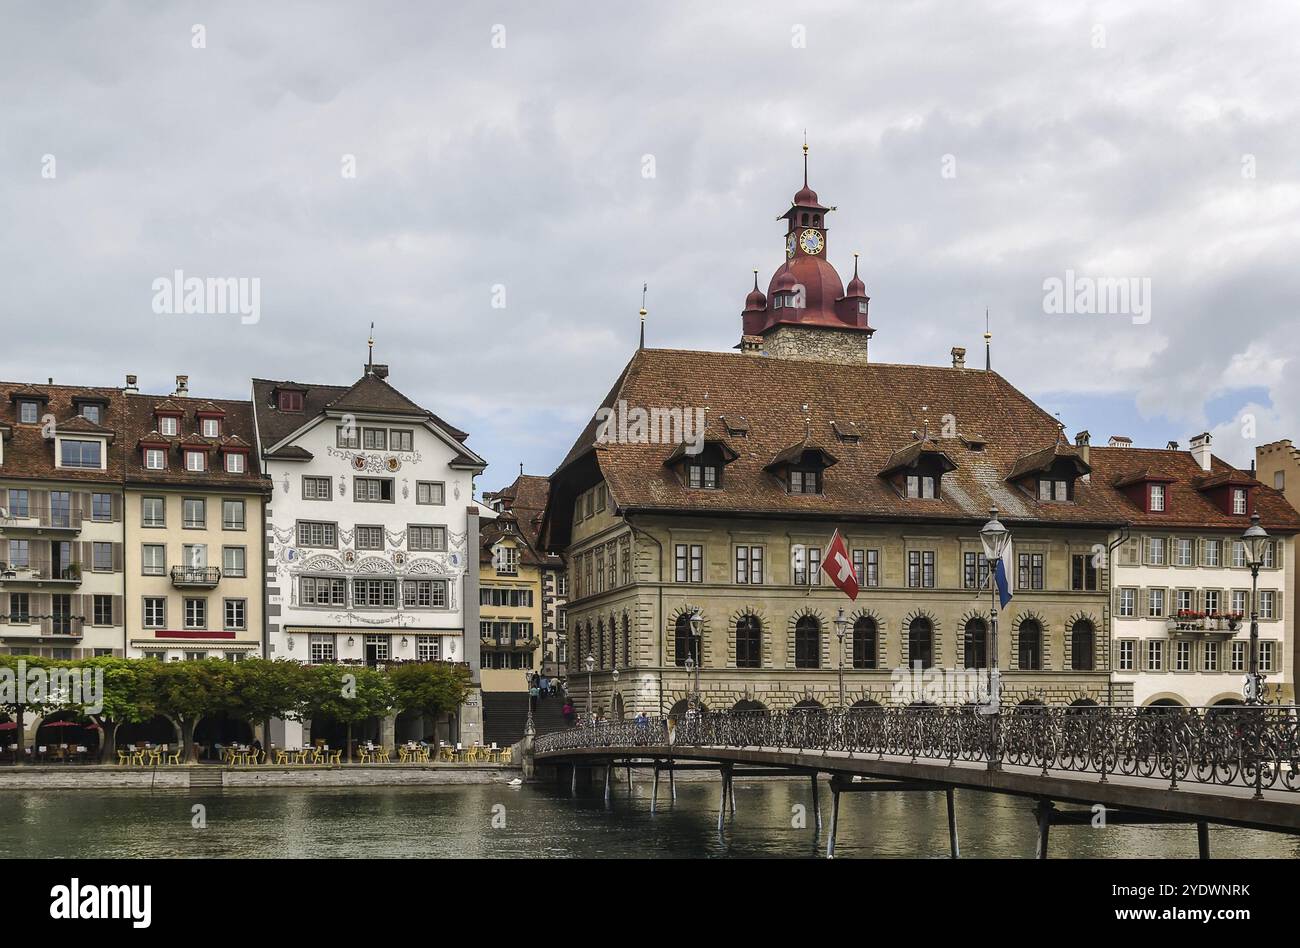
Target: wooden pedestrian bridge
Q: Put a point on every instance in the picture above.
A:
(1227, 765)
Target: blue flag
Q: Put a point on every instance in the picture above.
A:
(1002, 576)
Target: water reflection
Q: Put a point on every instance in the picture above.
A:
(774, 818)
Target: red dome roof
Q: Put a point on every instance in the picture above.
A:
(821, 286)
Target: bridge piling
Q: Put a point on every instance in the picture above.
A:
(817, 807)
(609, 770)
(835, 819)
(1044, 813)
(573, 780)
(953, 845)
(654, 789)
(1203, 840)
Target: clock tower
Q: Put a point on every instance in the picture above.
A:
(808, 313)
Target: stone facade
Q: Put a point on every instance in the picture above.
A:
(632, 626)
(837, 346)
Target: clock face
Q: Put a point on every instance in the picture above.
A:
(811, 241)
(789, 245)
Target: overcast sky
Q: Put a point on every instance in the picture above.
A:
(974, 150)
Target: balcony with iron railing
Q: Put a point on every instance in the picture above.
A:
(40, 572)
(525, 642)
(33, 519)
(195, 577)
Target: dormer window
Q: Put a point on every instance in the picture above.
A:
(1157, 498)
(1050, 489)
(168, 425)
(703, 476)
(862, 307)
(196, 461)
(212, 427)
(76, 453)
(155, 459)
(29, 412)
(289, 401)
(91, 413)
(804, 481)
(923, 486)
(1239, 500)
(235, 462)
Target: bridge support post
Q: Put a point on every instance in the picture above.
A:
(629, 776)
(817, 807)
(654, 789)
(722, 803)
(953, 845)
(609, 771)
(731, 790)
(1044, 813)
(573, 780)
(672, 783)
(835, 819)
(1203, 839)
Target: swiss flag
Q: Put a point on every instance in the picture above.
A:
(837, 565)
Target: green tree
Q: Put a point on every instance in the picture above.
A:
(188, 691)
(429, 688)
(348, 693)
(129, 697)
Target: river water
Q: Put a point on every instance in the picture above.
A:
(497, 821)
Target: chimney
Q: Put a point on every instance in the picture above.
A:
(131, 385)
(1120, 441)
(1083, 441)
(958, 357)
(1201, 450)
(182, 385)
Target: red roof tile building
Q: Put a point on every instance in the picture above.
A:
(710, 482)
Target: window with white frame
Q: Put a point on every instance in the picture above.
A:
(348, 436)
(322, 591)
(196, 461)
(211, 427)
(425, 537)
(369, 537)
(317, 488)
(318, 534)
(155, 459)
(232, 515)
(1211, 549)
(689, 563)
(195, 511)
(168, 425)
(400, 439)
(1267, 599)
(1211, 602)
(1126, 655)
(1127, 602)
(1183, 552)
(1239, 601)
(374, 593)
(430, 492)
(235, 462)
(374, 439)
(749, 565)
(1238, 554)
(1210, 656)
(196, 613)
(236, 618)
(29, 413)
(1182, 655)
(1266, 656)
(1156, 603)
(1238, 657)
(234, 562)
(320, 647)
(1156, 551)
(1155, 655)
(1268, 555)
(153, 511)
(1239, 500)
(426, 648)
(373, 490)
(155, 612)
(1157, 497)
(1185, 600)
(153, 559)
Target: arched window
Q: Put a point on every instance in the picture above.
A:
(920, 642)
(1081, 646)
(627, 641)
(600, 643)
(613, 642)
(749, 642)
(684, 644)
(1031, 645)
(808, 643)
(864, 643)
(977, 643)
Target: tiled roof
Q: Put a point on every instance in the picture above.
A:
(236, 423)
(527, 498)
(28, 455)
(1186, 503)
(370, 394)
(78, 424)
(890, 402)
(1044, 459)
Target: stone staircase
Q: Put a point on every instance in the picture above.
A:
(505, 713)
(206, 778)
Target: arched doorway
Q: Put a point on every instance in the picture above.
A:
(747, 704)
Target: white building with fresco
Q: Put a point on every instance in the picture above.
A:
(371, 533)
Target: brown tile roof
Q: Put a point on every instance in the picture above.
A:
(890, 401)
(1044, 459)
(1186, 503)
(369, 394)
(28, 455)
(236, 427)
(78, 424)
(526, 499)
(507, 523)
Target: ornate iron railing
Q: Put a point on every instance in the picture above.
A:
(1234, 745)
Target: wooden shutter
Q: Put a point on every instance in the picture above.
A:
(118, 602)
(118, 564)
(87, 503)
(85, 608)
(1277, 614)
(115, 506)
(4, 607)
(1142, 603)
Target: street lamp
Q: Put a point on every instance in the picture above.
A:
(841, 626)
(591, 663)
(1255, 540)
(994, 537)
(697, 652)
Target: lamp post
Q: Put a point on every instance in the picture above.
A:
(697, 652)
(591, 663)
(841, 626)
(1255, 540)
(994, 537)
